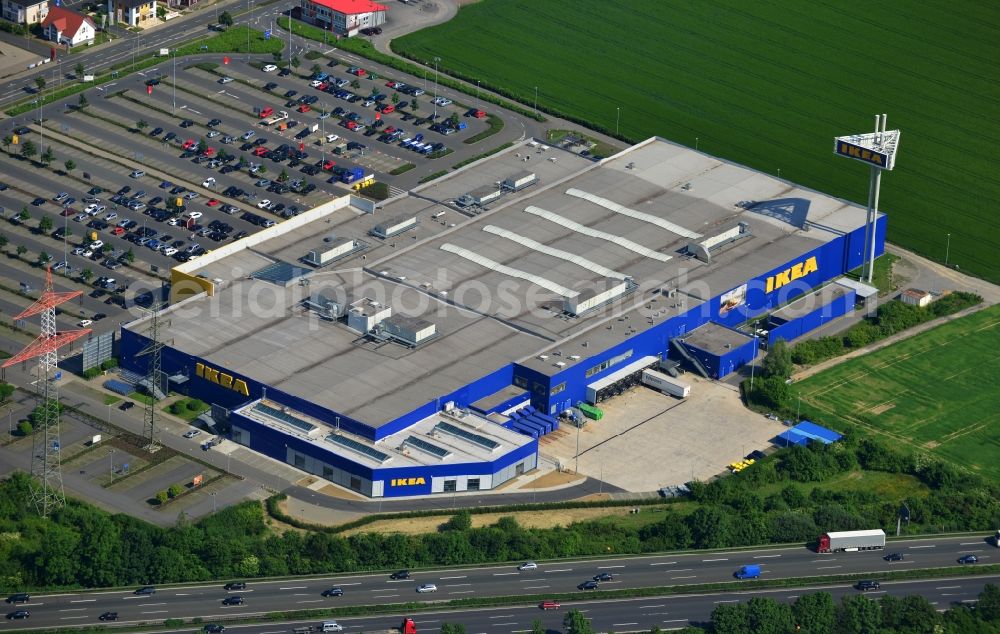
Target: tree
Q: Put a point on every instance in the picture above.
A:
(82, 101)
(276, 56)
(989, 603)
(43, 257)
(537, 627)
(242, 162)
(395, 98)
(355, 83)
(296, 62)
(814, 613)
(70, 165)
(28, 149)
(141, 125)
(3, 241)
(316, 69)
(48, 156)
(21, 250)
(414, 105)
(40, 82)
(24, 215)
(202, 145)
(283, 176)
(25, 428)
(857, 615)
(452, 628)
(162, 497)
(175, 490)
(226, 18)
(453, 119)
(129, 256)
(778, 361)
(576, 623)
(45, 224)
(86, 274)
(79, 70)
(7, 140)
(6, 391)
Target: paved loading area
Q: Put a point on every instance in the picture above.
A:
(647, 440)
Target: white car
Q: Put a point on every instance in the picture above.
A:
(96, 244)
(192, 433)
(79, 250)
(89, 208)
(269, 68)
(441, 101)
(111, 215)
(194, 214)
(225, 80)
(80, 217)
(213, 134)
(263, 204)
(83, 323)
(330, 138)
(137, 174)
(427, 587)
(314, 83)
(169, 251)
(208, 182)
(87, 253)
(173, 222)
(528, 565)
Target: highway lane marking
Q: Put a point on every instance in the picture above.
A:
(294, 588)
(970, 543)
(603, 567)
(688, 577)
(311, 601)
(84, 601)
(81, 609)
(892, 563)
(561, 570)
(456, 585)
(532, 580)
(708, 560)
(674, 620)
(815, 561)
(534, 587)
(663, 563)
(353, 583)
(65, 618)
(155, 612)
(766, 556)
(459, 577)
(728, 601)
(149, 605)
(928, 546)
(384, 596)
(792, 596)
(973, 551)
(462, 592)
(681, 570)
(650, 607)
(622, 624)
(828, 567)
(947, 587)
(502, 624)
(503, 616)
(300, 594)
(506, 574)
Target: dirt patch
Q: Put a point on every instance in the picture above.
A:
(881, 409)
(528, 519)
(552, 479)
(337, 492)
(931, 444)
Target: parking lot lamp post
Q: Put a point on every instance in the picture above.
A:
(754, 357)
(109, 413)
(213, 502)
(477, 94)
(436, 60)
(111, 454)
(175, 80)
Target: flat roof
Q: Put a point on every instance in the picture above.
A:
(715, 339)
(493, 284)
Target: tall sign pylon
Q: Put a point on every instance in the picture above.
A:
(154, 380)
(47, 487)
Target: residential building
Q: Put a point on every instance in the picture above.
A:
(343, 17)
(25, 12)
(133, 12)
(64, 26)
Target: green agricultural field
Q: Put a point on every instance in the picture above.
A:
(936, 392)
(769, 84)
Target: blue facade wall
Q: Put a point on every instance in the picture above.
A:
(791, 330)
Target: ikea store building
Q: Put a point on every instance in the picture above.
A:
(424, 344)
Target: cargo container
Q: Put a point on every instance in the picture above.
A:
(851, 541)
(748, 572)
(665, 384)
(590, 411)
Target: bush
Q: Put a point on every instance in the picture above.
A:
(25, 428)
(175, 490)
(6, 391)
(162, 497)
(769, 393)
(176, 408)
(174, 623)
(109, 364)
(91, 373)
(195, 405)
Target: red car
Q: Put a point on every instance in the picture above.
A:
(69, 211)
(212, 202)
(479, 114)
(329, 165)
(189, 144)
(549, 605)
(304, 108)
(387, 108)
(260, 151)
(389, 130)
(322, 86)
(209, 152)
(266, 112)
(118, 231)
(351, 125)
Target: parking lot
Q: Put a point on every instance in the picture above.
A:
(647, 440)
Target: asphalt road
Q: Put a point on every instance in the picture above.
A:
(205, 600)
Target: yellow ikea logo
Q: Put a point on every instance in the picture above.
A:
(406, 482)
(227, 381)
(862, 154)
(792, 273)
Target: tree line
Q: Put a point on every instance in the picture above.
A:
(773, 501)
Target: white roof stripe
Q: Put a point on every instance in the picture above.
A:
(506, 270)
(632, 213)
(556, 253)
(635, 247)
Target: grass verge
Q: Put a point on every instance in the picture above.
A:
(402, 169)
(495, 125)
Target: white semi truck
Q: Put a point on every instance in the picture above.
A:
(664, 383)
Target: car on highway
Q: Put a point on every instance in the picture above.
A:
(549, 605)
(528, 565)
(604, 576)
(235, 585)
(145, 590)
(336, 591)
(968, 559)
(426, 587)
(894, 557)
(400, 574)
(18, 614)
(867, 584)
(20, 597)
(588, 585)
(233, 600)
(214, 628)
(108, 616)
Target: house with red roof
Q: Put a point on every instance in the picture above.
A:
(343, 17)
(68, 27)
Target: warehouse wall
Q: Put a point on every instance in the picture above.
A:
(821, 315)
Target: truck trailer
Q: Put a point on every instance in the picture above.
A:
(666, 384)
(851, 541)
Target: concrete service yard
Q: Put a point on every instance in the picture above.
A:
(647, 440)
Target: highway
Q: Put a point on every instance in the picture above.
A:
(205, 600)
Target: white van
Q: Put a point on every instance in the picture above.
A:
(332, 626)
